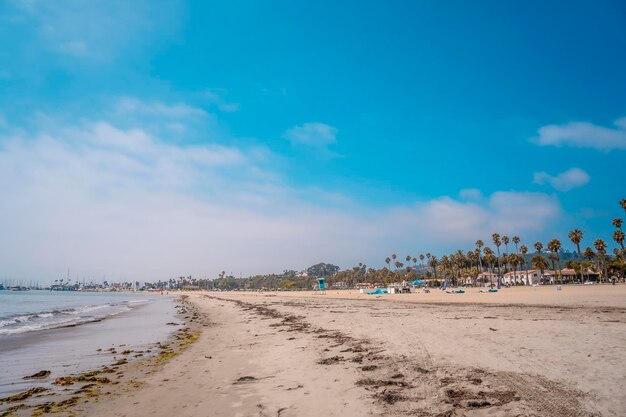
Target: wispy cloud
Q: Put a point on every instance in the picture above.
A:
(565, 181)
(584, 135)
(217, 97)
(157, 108)
(126, 202)
(315, 135)
(94, 30)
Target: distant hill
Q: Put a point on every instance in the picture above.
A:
(322, 270)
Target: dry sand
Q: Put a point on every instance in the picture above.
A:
(518, 352)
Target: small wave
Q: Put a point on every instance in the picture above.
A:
(60, 318)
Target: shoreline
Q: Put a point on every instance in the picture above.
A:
(64, 393)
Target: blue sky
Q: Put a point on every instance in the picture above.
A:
(151, 139)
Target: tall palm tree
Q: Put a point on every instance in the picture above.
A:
(618, 237)
(433, 262)
(459, 260)
(515, 260)
(524, 250)
(490, 259)
(445, 265)
(576, 236)
(414, 262)
(505, 240)
(516, 240)
(540, 263)
(422, 259)
(589, 255)
(479, 245)
(600, 246)
(555, 246)
(388, 262)
(617, 223)
(496, 241)
(538, 246)
(622, 203)
(472, 259)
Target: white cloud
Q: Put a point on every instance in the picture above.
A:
(157, 108)
(584, 135)
(125, 203)
(315, 135)
(471, 194)
(216, 96)
(565, 181)
(450, 223)
(95, 30)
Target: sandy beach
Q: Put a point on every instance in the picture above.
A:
(520, 352)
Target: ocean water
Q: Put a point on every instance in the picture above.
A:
(70, 332)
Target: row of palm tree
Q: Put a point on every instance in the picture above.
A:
(484, 259)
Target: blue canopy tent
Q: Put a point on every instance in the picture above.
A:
(379, 291)
(418, 282)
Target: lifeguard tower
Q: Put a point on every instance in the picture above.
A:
(321, 284)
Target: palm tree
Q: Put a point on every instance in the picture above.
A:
(422, 259)
(516, 240)
(497, 242)
(490, 259)
(554, 246)
(479, 245)
(388, 262)
(589, 255)
(458, 260)
(524, 250)
(617, 223)
(445, 265)
(576, 236)
(618, 237)
(414, 262)
(515, 259)
(540, 263)
(505, 240)
(622, 203)
(600, 246)
(538, 246)
(472, 259)
(433, 262)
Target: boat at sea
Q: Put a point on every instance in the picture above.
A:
(17, 288)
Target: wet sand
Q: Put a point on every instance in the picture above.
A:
(342, 354)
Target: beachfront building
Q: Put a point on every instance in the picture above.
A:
(486, 278)
(523, 277)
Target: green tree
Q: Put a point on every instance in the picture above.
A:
(600, 246)
(554, 246)
(524, 250)
(576, 236)
(540, 263)
(497, 241)
(618, 237)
